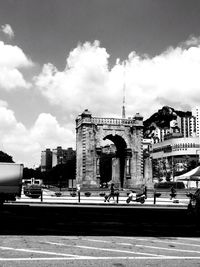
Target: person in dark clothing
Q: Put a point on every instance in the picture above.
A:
(197, 205)
(194, 204)
(173, 192)
(145, 191)
(112, 193)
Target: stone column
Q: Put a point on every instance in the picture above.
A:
(98, 155)
(148, 173)
(116, 171)
(127, 169)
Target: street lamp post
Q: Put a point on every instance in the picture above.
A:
(173, 168)
(60, 180)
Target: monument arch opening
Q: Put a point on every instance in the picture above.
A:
(108, 152)
(127, 161)
(117, 159)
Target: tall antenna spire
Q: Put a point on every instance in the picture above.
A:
(124, 89)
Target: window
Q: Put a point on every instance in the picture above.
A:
(98, 166)
(128, 167)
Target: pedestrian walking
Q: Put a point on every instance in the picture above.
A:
(111, 194)
(173, 193)
(78, 189)
(145, 191)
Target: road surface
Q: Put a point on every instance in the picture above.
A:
(98, 251)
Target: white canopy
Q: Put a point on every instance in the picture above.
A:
(193, 175)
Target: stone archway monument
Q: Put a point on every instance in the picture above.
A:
(127, 136)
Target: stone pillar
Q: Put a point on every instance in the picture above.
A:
(148, 173)
(86, 153)
(116, 171)
(98, 156)
(127, 169)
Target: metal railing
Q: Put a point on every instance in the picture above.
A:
(76, 197)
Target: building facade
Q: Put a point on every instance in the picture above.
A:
(176, 152)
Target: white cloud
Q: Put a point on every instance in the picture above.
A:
(7, 29)
(170, 78)
(12, 58)
(25, 145)
(48, 133)
(3, 103)
(193, 40)
(87, 82)
(83, 81)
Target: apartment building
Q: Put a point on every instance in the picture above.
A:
(196, 114)
(51, 158)
(187, 125)
(46, 160)
(61, 156)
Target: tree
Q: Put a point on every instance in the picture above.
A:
(5, 157)
(31, 173)
(155, 168)
(161, 169)
(61, 173)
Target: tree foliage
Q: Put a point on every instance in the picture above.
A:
(31, 173)
(162, 119)
(5, 157)
(61, 173)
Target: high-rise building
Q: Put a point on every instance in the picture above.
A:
(61, 156)
(196, 114)
(187, 125)
(50, 159)
(46, 160)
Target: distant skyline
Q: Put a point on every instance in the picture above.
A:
(59, 57)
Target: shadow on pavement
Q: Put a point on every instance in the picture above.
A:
(102, 221)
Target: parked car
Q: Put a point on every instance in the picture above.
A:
(33, 191)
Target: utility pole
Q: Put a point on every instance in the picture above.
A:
(124, 89)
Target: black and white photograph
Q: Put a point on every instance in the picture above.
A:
(99, 133)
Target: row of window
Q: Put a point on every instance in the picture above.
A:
(189, 145)
(165, 149)
(179, 149)
(181, 146)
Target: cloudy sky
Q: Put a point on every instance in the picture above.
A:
(58, 57)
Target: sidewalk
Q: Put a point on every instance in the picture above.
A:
(50, 197)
